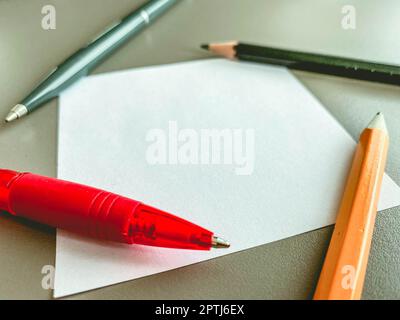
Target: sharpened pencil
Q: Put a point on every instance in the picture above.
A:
(304, 61)
(343, 272)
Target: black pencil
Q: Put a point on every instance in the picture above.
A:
(337, 66)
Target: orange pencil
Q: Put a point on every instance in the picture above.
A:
(343, 272)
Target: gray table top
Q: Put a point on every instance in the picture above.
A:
(285, 269)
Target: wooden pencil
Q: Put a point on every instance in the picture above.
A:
(325, 64)
(343, 272)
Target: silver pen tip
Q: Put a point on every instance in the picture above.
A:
(219, 243)
(11, 117)
(17, 112)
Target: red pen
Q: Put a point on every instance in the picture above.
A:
(99, 214)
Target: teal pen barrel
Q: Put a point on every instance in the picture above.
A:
(87, 58)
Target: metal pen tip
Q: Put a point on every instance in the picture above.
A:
(11, 117)
(219, 243)
(17, 112)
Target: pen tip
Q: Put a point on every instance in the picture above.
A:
(219, 243)
(17, 112)
(11, 117)
(205, 46)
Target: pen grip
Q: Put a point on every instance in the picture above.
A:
(67, 205)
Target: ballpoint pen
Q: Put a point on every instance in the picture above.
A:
(99, 214)
(87, 58)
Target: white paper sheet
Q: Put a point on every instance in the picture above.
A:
(301, 160)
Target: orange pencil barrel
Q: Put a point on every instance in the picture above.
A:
(343, 272)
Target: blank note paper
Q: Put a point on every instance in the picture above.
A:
(241, 149)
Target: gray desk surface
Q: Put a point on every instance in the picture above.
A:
(286, 269)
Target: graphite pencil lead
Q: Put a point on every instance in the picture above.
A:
(378, 122)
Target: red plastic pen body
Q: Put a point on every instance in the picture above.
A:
(96, 213)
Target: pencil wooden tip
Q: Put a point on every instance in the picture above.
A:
(378, 122)
(205, 46)
(225, 49)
